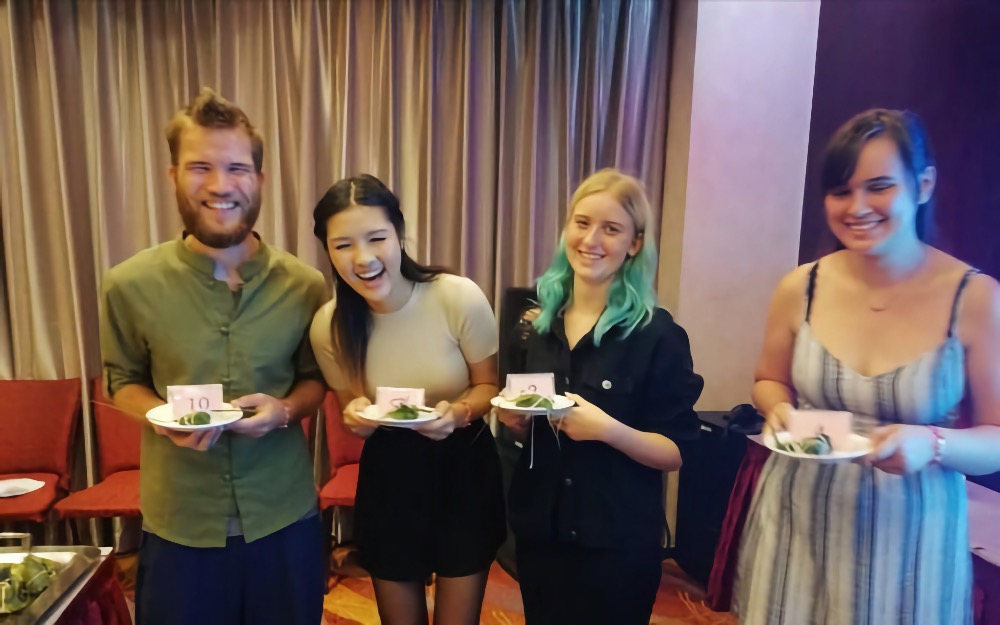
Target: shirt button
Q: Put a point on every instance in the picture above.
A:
(572, 535)
(606, 385)
(226, 477)
(224, 330)
(568, 481)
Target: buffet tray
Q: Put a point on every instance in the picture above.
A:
(73, 561)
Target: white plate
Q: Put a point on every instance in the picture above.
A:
(373, 413)
(559, 404)
(860, 446)
(19, 486)
(163, 416)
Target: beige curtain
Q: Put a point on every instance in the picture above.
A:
(6, 362)
(583, 86)
(481, 115)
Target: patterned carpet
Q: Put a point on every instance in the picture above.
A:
(351, 600)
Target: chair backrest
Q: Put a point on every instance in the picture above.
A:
(38, 421)
(343, 447)
(119, 436)
(516, 300)
(309, 431)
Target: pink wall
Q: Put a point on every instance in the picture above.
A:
(735, 179)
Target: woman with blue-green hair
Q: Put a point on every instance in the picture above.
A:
(586, 497)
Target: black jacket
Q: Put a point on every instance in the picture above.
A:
(588, 492)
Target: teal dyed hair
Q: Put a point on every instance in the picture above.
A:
(631, 298)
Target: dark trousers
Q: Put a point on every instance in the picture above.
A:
(276, 579)
(563, 584)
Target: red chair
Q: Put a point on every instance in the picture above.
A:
(345, 452)
(309, 430)
(37, 424)
(118, 442)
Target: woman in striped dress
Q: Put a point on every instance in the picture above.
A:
(898, 333)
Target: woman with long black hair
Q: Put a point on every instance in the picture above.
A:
(429, 498)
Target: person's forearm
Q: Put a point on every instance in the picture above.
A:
(478, 399)
(136, 400)
(972, 451)
(304, 400)
(647, 448)
(767, 394)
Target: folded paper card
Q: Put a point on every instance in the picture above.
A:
(803, 424)
(518, 384)
(190, 398)
(388, 398)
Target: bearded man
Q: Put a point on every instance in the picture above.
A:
(230, 529)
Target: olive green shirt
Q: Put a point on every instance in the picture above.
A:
(166, 320)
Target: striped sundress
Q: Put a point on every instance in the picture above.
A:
(846, 544)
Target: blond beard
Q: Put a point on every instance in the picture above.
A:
(195, 226)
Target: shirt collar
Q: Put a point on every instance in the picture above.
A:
(203, 264)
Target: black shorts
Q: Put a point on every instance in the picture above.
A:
(428, 506)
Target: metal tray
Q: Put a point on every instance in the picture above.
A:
(74, 561)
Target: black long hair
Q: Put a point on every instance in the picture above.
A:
(907, 131)
(351, 325)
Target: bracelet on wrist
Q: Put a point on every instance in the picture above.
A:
(939, 443)
(467, 418)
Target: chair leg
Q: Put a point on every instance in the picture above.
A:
(50, 531)
(130, 535)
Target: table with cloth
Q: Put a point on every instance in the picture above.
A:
(95, 599)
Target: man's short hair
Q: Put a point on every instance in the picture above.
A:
(210, 110)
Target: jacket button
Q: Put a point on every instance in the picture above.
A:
(568, 481)
(566, 379)
(572, 535)
(606, 384)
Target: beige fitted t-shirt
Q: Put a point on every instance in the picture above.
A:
(428, 343)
